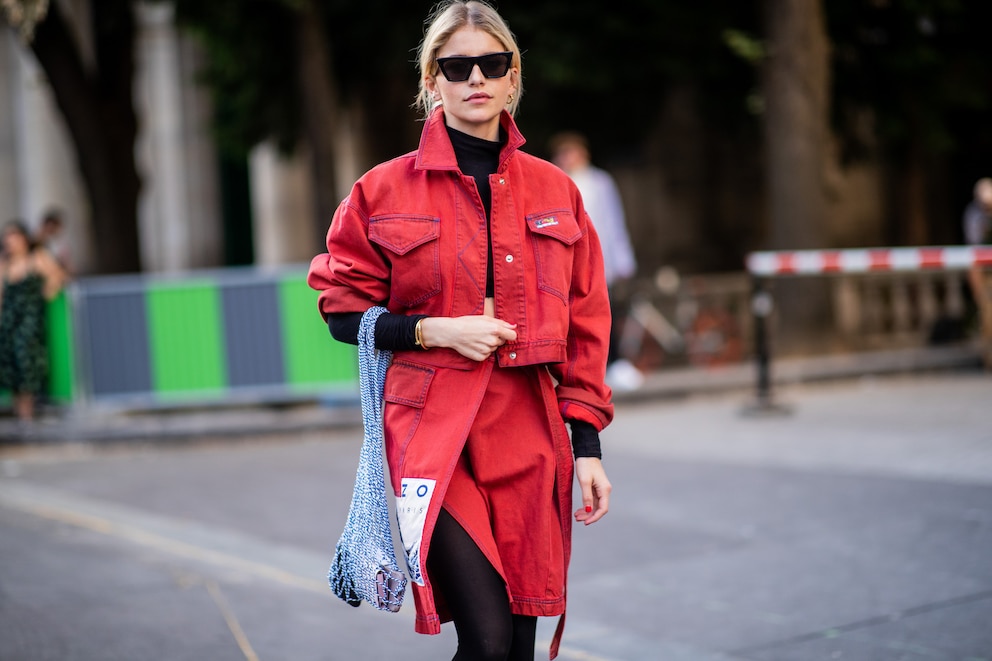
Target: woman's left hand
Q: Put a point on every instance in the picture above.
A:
(595, 487)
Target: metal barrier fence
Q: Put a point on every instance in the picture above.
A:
(221, 336)
(775, 264)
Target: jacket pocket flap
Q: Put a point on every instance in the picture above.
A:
(407, 384)
(557, 223)
(401, 234)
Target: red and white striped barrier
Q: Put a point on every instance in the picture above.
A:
(864, 260)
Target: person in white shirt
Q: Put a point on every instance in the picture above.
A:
(601, 198)
(977, 222)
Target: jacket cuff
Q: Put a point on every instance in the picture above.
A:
(572, 408)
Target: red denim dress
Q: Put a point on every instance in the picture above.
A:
(486, 440)
(498, 458)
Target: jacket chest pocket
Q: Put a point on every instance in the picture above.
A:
(553, 234)
(412, 246)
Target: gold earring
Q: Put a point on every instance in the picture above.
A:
(509, 100)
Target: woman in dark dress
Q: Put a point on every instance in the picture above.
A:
(30, 277)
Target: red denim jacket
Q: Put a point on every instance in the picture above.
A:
(411, 236)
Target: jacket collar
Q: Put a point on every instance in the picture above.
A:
(436, 153)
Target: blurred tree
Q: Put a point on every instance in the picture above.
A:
(796, 84)
(796, 115)
(608, 74)
(664, 103)
(288, 70)
(319, 102)
(367, 53)
(913, 80)
(915, 73)
(96, 102)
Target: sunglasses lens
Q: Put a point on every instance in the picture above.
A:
(495, 65)
(456, 69)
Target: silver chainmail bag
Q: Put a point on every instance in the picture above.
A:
(364, 565)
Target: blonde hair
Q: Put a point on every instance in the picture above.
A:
(448, 17)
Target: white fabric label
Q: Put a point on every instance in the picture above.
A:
(411, 514)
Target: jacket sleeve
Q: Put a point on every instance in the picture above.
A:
(582, 390)
(353, 274)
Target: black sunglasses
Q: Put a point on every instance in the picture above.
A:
(457, 69)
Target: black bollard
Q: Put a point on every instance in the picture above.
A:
(762, 305)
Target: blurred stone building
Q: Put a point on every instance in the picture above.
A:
(180, 215)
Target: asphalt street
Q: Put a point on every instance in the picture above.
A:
(857, 526)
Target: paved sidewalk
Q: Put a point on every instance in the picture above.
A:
(856, 527)
(110, 425)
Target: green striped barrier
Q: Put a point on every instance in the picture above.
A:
(239, 334)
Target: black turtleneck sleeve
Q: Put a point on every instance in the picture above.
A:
(393, 332)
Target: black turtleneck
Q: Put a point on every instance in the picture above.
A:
(479, 158)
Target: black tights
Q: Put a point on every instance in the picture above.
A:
(477, 598)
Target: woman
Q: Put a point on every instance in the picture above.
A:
(499, 322)
(30, 277)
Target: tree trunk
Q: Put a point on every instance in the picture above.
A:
(319, 115)
(796, 114)
(913, 189)
(796, 84)
(99, 112)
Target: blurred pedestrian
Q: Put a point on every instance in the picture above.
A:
(977, 223)
(498, 319)
(601, 198)
(51, 236)
(30, 277)
(977, 220)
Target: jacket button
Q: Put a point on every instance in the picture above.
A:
(502, 181)
(513, 355)
(509, 258)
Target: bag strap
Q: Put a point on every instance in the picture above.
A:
(372, 366)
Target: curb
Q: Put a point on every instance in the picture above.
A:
(191, 424)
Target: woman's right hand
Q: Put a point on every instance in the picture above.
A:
(53, 273)
(475, 336)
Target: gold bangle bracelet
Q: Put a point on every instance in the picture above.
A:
(418, 335)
